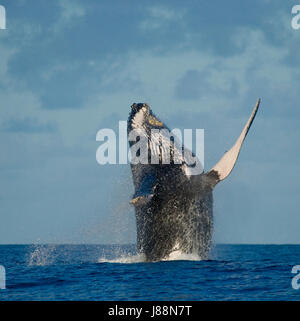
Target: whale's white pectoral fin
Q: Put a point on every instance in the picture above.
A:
(225, 165)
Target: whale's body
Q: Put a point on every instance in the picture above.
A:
(174, 209)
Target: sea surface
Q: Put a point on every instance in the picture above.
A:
(111, 272)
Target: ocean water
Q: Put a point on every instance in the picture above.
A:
(106, 272)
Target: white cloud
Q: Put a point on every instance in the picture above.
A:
(71, 9)
(160, 16)
(71, 12)
(158, 76)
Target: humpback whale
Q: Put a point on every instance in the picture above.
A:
(174, 209)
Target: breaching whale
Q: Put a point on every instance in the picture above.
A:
(174, 210)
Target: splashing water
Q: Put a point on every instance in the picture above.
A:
(140, 258)
(42, 255)
(45, 254)
(124, 259)
(180, 256)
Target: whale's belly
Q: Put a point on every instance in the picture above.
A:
(175, 225)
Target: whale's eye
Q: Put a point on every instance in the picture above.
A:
(154, 122)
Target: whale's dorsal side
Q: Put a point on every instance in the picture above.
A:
(225, 165)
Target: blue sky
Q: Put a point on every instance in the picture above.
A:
(70, 68)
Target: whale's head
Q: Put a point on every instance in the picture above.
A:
(142, 117)
(163, 146)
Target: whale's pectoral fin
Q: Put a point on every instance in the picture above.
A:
(145, 192)
(225, 165)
